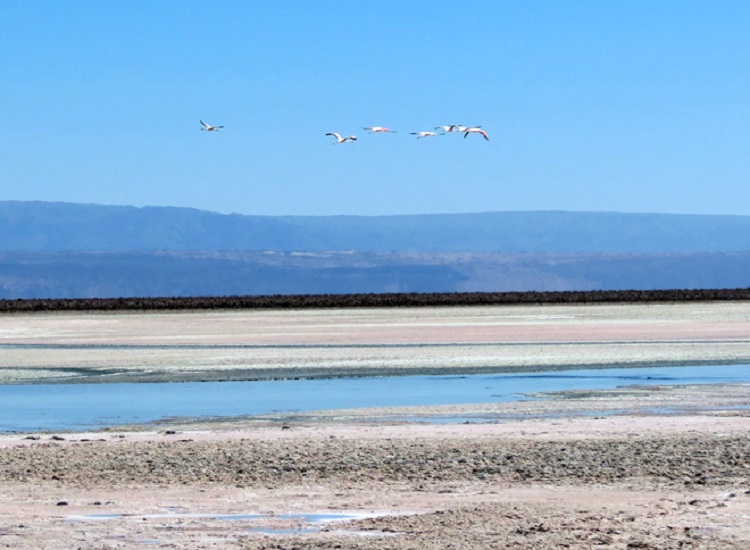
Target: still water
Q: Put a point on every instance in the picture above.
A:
(42, 407)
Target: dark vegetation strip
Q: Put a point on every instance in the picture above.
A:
(412, 299)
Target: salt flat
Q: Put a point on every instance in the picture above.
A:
(249, 344)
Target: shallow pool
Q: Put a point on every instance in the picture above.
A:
(50, 407)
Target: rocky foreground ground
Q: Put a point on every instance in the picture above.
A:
(576, 482)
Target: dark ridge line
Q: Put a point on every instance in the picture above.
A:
(385, 300)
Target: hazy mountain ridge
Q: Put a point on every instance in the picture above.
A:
(59, 250)
(50, 226)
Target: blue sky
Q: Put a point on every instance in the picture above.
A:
(629, 106)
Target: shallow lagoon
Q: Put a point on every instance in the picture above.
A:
(77, 407)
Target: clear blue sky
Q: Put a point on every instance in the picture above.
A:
(630, 106)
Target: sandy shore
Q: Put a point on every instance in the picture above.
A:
(658, 467)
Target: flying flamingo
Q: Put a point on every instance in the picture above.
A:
(475, 130)
(340, 139)
(425, 134)
(209, 128)
(375, 129)
(451, 128)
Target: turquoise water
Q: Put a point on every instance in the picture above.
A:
(77, 407)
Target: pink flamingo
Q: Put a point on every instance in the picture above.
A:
(425, 134)
(375, 129)
(475, 130)
(340, 139)
(209, 128)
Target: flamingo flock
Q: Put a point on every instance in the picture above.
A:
(441, 131)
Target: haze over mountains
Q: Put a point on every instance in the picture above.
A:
(61, 250)
(49, 226)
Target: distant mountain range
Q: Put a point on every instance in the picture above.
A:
(52, 226)
(60, 250)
